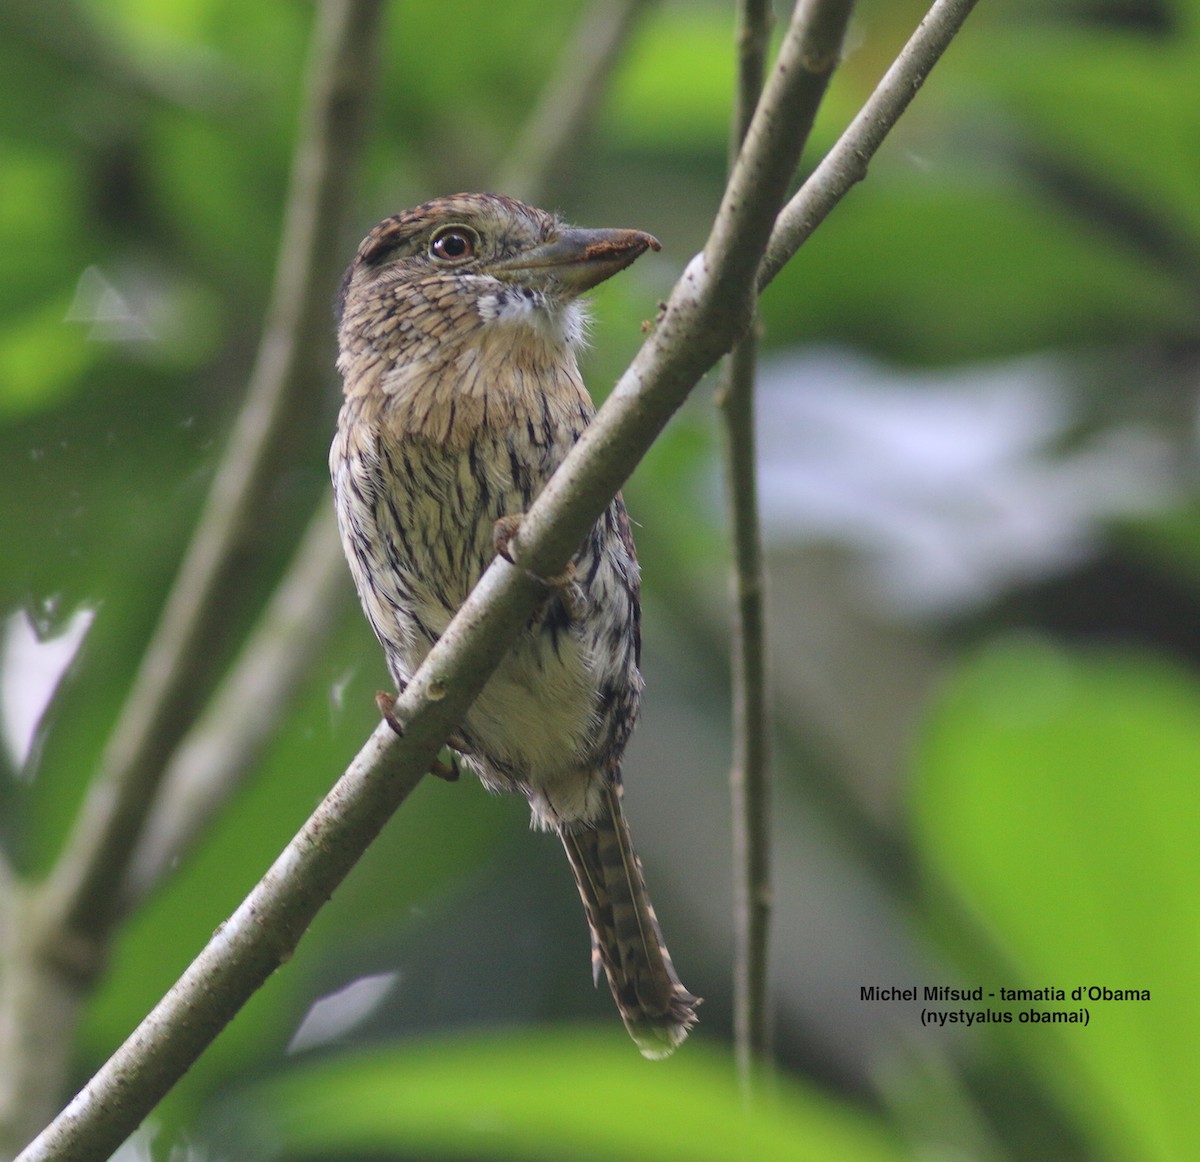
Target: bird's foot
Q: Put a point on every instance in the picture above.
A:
(562, 583)
(447, 771)
(387, 707)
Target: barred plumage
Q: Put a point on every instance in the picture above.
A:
(458, 328)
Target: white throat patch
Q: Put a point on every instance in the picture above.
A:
(556, 322)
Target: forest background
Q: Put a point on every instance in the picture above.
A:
(978, 440)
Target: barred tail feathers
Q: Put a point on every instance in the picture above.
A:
(627, 942)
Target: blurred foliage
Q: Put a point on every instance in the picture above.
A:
(1039, 196)
(1057, 793)
(574, 1094)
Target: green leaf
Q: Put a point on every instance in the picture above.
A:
(1058, 795)
(573, 1094)
(42, 357)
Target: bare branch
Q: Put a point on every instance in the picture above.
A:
(240, 957)
(39, 1010)
(753, 39)
(846, 163)
(287, 381)
(767, 161)
(553, 136)
(749, 775)
(710, 307)
(750, 772)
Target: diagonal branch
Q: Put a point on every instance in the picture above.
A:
(695, 329)
(846, 163)
(287, 381)
(771, 151)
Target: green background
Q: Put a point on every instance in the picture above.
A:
(1000, 790)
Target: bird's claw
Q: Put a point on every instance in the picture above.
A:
(503, 532)
(447, 771)
(387, 707)
(563, 583)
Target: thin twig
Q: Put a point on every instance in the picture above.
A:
(784, 119)
(749, 775)
(753, 38)
(287, 381)
(846, 163)
(553, 137)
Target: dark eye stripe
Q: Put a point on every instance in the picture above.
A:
(385, 249)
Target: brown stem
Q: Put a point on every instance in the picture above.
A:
(749, 775)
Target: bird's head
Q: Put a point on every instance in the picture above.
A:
(471, 259)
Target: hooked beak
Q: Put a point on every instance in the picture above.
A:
(577, 260)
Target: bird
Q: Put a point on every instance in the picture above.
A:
(459, 323)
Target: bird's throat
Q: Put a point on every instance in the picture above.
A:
(515, 309)
(506, 374)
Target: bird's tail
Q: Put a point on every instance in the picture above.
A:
(627, 942)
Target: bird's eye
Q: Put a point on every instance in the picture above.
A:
(454, 244)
